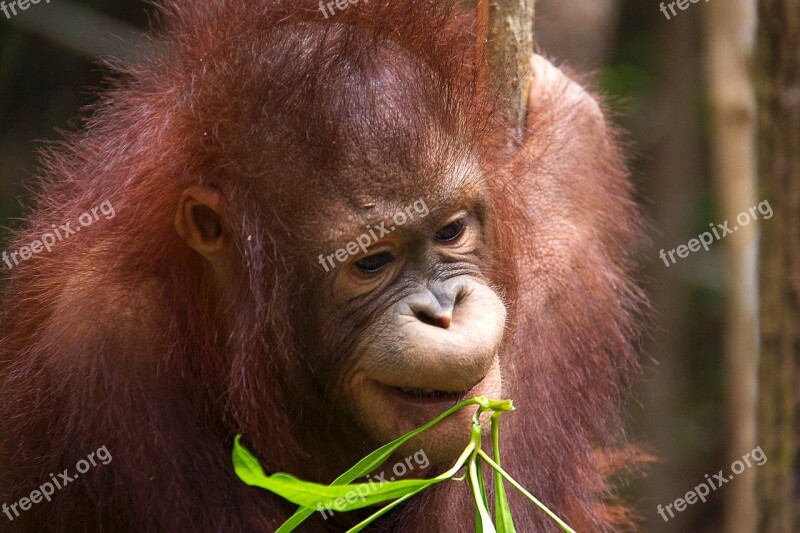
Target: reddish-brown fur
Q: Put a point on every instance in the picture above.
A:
(117, 337)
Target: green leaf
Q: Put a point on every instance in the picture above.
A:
(245, 465)
(530, 496)
(314, 496)
(481, 488)
(484, 523)
(481, 482)
(465, 455)
(505, 521)
(379, 456)
(478, 518)
(310, 494)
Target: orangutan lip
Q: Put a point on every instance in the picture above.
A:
(413, 398)
(428, 393)
(429, 396)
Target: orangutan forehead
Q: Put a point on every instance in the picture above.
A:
(456, 182)
(322, 103)
(379, 109)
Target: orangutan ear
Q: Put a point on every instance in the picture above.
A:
(199, 221)
(550, 84)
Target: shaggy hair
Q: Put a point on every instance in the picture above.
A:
(118, 338)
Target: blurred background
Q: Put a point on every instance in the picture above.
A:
(696, 409)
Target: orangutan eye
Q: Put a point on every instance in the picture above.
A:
(451, 232)
(375, 263)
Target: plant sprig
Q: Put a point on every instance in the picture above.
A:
(310, 496)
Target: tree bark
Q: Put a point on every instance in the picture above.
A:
(730, 48)
(779, 105)
(506, 29)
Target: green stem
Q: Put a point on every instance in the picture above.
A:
(483, 512)
(505, 520)
(357, 470)
(467, 454)
(520, 488)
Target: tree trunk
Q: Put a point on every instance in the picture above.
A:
(779, 103)
(730, 45)
(506, 28)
